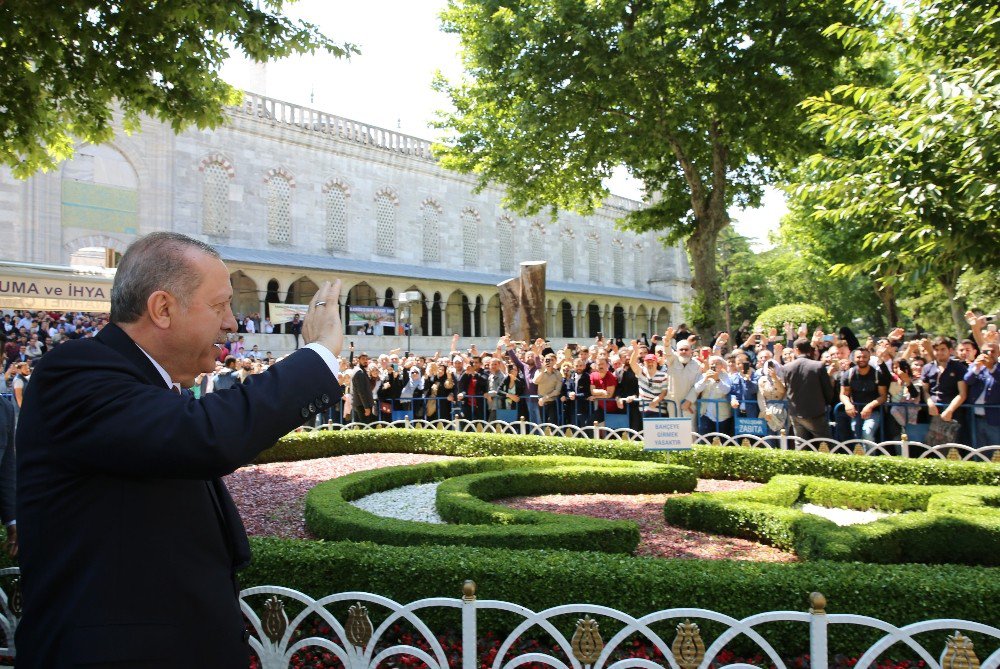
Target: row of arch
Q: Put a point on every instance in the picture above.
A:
(442, 313)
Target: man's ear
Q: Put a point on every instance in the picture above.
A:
(161, 306)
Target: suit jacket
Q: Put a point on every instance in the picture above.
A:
(808, 385)
(361, 390)
(7, 413)
(129, 540)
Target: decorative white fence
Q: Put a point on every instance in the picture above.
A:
(783, 441)
(348, 634)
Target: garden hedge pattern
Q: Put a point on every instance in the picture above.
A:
(468, 483)
(946, 524)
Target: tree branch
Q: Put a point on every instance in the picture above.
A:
(698, 200)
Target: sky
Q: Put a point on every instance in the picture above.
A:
(389, 83)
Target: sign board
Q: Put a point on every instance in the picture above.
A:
(756, 427)
(53, 289)
(666, 434)
(374, 316)
(283, 313)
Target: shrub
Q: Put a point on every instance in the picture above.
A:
(798, 313)
(329, 514)
(750, 464)
(955, 524)
(540, 579)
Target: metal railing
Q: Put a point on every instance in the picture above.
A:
(341, 624)
(965, 415)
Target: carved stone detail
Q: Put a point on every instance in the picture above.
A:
(522, 301)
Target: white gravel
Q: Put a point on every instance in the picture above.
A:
(418, 502)
(844, 517)
(409, 502)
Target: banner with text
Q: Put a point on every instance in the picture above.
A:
(283, 313)
(43, 293)
(374, 316)
(666, 434)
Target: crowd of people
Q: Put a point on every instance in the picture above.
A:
(935, 390)
(810, 384)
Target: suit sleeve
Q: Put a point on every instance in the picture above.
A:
(7, 463)
(95, 414)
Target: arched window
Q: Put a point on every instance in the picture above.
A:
(336, 217)
(279, 208)
(618, 262)
(215, 200)
(593, 258)
(470, 237)
(505, 240)
(385, 222)
(536, 242)
(568, 256)
(637, 264)
(430, 217)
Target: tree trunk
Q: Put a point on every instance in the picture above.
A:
(887, 296)
(702, 246)
(948, 282)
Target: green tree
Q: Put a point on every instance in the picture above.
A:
(746, 289)
(917, 161)
(697, 98)
(65, 67)
(798, 269)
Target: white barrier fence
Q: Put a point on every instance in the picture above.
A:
(783, 441)
(349, 635)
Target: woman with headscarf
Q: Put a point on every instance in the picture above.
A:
(413, 389)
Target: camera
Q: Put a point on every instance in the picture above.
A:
(991, 318)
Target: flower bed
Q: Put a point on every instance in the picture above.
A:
(657, 537)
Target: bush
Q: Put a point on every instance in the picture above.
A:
(329, 514)
(777, 316)
(750, 464)
(540, 579)
(955, 525)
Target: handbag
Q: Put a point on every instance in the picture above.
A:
(942, 431)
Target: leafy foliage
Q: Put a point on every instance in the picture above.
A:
(916, 161)
(696, 98)
(777, 316)
(67, 70)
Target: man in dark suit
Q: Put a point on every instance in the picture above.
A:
(810, 391)
(129, 540)
(362, 399)
(7, 473)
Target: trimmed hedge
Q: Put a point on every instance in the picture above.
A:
(750, 464)
(464, 499)
(541, 579)
(957, 525)
(329, 514)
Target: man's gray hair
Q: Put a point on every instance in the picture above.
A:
(155, 262)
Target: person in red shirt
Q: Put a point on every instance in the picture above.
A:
(602, 389)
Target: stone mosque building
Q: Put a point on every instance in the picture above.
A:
(291, 197)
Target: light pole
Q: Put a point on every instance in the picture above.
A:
(406, 299)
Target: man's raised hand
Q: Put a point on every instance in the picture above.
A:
(322, 322)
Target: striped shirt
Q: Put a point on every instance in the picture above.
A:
(650, 387)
